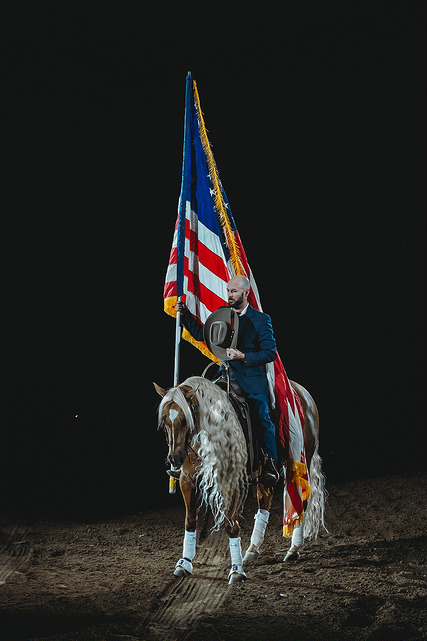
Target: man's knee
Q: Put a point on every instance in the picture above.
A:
(261, 405)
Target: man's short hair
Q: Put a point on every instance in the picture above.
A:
(245, 282)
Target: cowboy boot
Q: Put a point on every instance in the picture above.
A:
(269, 475)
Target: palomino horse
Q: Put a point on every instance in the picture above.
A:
(206, 441)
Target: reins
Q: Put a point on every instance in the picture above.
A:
(227, 376)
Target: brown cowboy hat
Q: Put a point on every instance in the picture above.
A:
(220, 331)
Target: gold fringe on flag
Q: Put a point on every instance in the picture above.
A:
(298, 474)
(218, 199)
(200, 345)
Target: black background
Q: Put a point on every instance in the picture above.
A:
(316, 118)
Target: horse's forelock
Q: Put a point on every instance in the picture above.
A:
(176, 395)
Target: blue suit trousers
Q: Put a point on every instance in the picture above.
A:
(259, 408)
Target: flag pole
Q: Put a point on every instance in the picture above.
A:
(184, 197)
(177, 344)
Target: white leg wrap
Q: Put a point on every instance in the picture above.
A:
(298, 536)
(236, 555)
(261, 521)
(189, 546)
(184, 567)
(296, 544)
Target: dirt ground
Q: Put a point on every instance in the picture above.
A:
(112, 580)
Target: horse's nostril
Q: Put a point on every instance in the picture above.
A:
(176, 460)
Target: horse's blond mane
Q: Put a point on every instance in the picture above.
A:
(221, 476)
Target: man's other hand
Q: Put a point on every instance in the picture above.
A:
(235, 354)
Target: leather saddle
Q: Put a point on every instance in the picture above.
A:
(241, 407)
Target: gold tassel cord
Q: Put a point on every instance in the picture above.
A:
(218, 199)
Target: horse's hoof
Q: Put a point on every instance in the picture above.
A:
(251, 554)
(292, 554)
(183, 568)
(236, 575)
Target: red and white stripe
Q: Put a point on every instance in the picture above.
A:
(206, 272)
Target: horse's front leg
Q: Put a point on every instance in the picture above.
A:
(184, 566)
(236, 574)
(265, 499)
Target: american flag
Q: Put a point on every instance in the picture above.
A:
(206, 252)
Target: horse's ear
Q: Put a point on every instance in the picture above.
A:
(159, 389)
(189, 392)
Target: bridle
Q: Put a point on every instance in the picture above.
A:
(187, 446)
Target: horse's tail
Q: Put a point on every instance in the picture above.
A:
(314, 517)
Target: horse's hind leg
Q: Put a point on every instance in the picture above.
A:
(313, 517)
(265, 498)
(297, 540)
(296, 543)
(184, 566)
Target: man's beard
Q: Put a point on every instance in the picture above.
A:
(236, 303)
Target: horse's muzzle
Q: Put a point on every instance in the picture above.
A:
(177, 458)
(178, 454)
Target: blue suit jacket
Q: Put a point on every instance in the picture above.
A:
(255, 339)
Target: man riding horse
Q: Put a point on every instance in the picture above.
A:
(246, 357)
